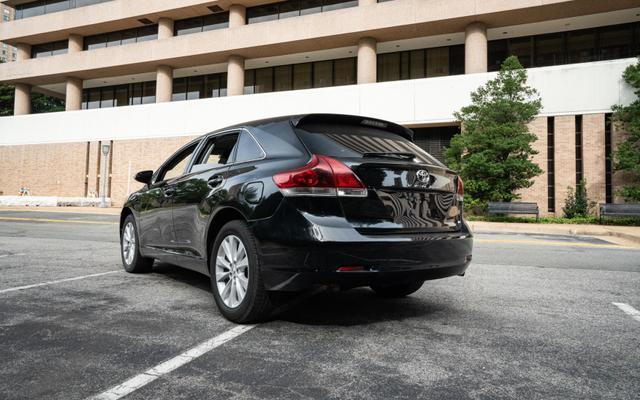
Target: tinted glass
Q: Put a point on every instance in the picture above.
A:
(136, 94)
(262, 13)
(417, 64)
(94, 98)
(149, 32)
(330, 5)
(616, 42)
(149, 93)
(345, 72)
(549, 50)
(218, 150)
(95, 42)
(212, 86)
(438, 62)
(310, 6)
(195, 88)
(283, 76)
(188, 26)
(177, 164)
(121, 96)
(322, 74)
(249, 81)
(302, 76)
(106, 99)
(215, 21)
(179, 89)
(248, 149)
(498, 52)
(264, 80)
(57, 5)
(581, 46)
(523, 49)
(289, 9)
(355, 141)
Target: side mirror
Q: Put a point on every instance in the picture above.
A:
(144, 177)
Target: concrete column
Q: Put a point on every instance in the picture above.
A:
(73, 99)
(475, 48)
(165, 28)
(366, 2)
(164, 84)
(235, 76)
(24, 51)
(367, 60)
(237, 15)
(22, 100)
(76, 43)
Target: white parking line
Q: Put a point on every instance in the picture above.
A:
(15, 289)
(156, 372)
(16, 254)
(627, 309)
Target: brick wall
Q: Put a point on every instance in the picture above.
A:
(538, 191)
(565, 158)
(46, 169)
(593, 156)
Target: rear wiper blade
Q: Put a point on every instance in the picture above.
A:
(390, 154)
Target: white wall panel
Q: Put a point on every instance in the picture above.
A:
(569, 89)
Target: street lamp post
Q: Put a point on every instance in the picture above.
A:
(103, 190)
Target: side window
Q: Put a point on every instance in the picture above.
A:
(218, 151)
(177, 164)
(248, 149)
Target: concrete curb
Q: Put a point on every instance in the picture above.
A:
(630, 233)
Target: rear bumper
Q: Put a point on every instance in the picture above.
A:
(296, 266)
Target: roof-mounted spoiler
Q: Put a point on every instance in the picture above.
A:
(342, 119)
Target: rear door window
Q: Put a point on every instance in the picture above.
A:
(217, 151)
(348, 141)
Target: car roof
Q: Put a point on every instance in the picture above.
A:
(342, 119)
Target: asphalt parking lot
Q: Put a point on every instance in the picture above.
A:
(534, 318)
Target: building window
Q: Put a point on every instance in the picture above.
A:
(49, 49)
(551, 181)
(118, 38)
(42, 7)
(595, 44)
(579, 163)
(435, 140)
(119, 95)
(294, 8)
(608, 158)
(301, 76)
(199, 87)
(425, 63)
(201, 24)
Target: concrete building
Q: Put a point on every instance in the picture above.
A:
(146, 76)
(7, 53)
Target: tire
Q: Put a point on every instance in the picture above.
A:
(132, 260)
(229, 277)
(397, 289)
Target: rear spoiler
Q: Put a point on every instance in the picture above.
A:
(342, 119)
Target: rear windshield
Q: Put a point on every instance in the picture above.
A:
(356, 141)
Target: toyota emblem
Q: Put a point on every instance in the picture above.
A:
(422, 176)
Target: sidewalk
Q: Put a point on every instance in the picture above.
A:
(629, 233)
(78, 210)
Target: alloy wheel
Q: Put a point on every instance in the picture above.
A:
(232, 271)
(129, 243)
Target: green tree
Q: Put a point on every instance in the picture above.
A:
(627, 154)
(577, 203)
(40, 103)
(493, 152)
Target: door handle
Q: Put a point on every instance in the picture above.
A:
(169, 192)
(215, 181)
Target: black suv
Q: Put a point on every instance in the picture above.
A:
(288, 203)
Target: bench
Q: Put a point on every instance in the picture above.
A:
(503, 208)
(619, 210)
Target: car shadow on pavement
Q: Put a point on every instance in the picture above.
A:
(359, 306)
(183, 275)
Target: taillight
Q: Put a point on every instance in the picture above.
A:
(322, 176)
(460, 190)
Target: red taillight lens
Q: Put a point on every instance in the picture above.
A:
(460, 190)
(322, 176)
